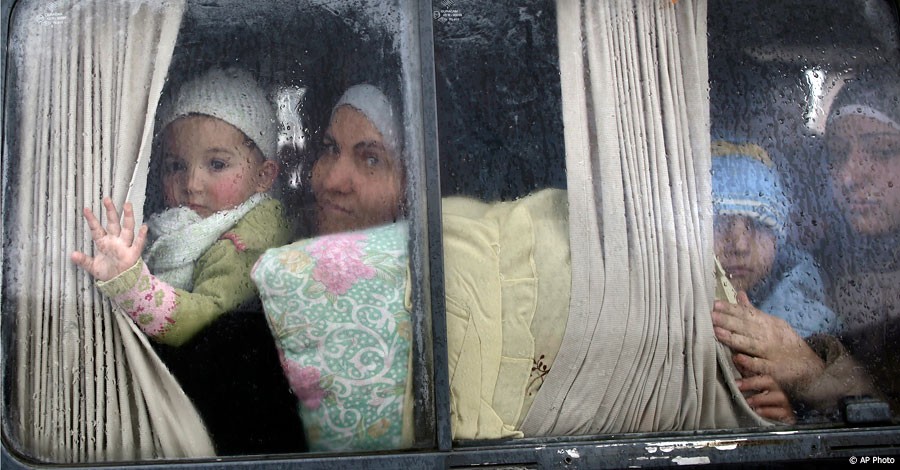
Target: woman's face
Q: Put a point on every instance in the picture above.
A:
(865, 173)
(745, 248)
(357, 180)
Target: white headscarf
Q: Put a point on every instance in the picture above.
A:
(370, 101)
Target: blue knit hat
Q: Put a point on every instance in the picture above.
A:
(745, 183)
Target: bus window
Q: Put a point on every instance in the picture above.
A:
(535, 234)
(765, 171)
(824, 289)
(267, 124)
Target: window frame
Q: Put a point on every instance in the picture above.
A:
(651, 449)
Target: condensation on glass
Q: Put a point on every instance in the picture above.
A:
(780, 80)
(304, 55)
(774, 74)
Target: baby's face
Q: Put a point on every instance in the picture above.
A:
(209, 166)
(745, 248)
(357, 180)
(865, 173)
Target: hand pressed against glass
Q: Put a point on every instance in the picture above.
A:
(767, 398)
(117, 247)
(211, 166)
(208, 167)
(357, 179)
(745, 248)
(865, 172)
(765, 344)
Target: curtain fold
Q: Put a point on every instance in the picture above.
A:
(88, 387)
(639, 352)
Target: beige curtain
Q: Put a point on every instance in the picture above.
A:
(87, 386)
(638, 352)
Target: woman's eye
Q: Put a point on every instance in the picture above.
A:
(326, 151)
(217, 165)
(372, 161)
(328, 148)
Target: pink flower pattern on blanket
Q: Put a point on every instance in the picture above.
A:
(336, 306)
(304, 381)
(339, 262)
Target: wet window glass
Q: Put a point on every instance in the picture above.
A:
(237, 282)
(503, 208)
(581, 270)
(804, 127)
(499, 102)
(354, 229)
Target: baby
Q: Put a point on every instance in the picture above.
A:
(218, 140)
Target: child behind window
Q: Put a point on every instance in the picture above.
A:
(751, 210)
(218, 138)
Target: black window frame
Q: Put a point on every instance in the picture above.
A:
(781, 447)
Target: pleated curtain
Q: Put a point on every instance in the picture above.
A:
(87, 387)
(638, 352)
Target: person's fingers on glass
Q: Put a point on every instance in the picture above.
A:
(791, 370)
(742, 327)
(764, 344)
(112, 217)
(751, 365)
(767, 398)
(127, 223)
(117, 248)
(747, 329)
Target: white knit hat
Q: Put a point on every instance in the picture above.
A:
(232, 95)
(370, 101)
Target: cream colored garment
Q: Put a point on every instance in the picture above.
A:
(639, 352)
(87, 387)
(506, 273)
(507, 284)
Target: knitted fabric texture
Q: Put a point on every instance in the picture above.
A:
(233, 96)
(180, 236)
(370, 101)
(745, 183)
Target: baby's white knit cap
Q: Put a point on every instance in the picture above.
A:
(370, 101)
(232, 95)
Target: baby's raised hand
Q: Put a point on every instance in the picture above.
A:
(117, 249)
